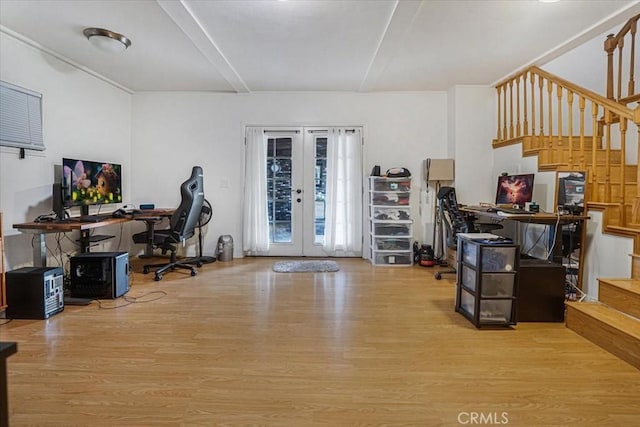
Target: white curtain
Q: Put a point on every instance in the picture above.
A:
(343, 220)
(256, 218)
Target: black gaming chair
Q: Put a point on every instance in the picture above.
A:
(454, 222)
(181, 226)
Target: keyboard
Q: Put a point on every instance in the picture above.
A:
(513, 211)
(94, 218)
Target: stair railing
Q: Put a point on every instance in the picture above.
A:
(626, 36)
(573, 126)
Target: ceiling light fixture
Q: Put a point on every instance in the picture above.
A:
(106, 40)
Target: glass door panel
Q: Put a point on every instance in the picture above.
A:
(320, 183)
(284, 157)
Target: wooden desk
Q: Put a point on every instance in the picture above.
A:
(41, 229)
(543, 218)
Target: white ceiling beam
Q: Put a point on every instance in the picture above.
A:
(180, 13)
(399, 25)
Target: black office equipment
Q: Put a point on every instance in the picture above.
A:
(453, 221)
(34, 292)
(182, 226)
(99, 275)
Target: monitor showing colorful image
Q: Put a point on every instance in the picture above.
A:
(87, 182)
(514, 189)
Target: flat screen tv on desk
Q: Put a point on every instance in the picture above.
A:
(86, 183)
(514, 189)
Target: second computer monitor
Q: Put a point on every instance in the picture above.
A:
(514, 189)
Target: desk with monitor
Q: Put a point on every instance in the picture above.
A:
(550, 219)
(41, 229)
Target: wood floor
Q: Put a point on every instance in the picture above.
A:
(239, 344)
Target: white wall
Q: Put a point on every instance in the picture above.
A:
(83, 117)
(605, 256)
(174, 131)
(474, 126)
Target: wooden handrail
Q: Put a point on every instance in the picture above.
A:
(614, 106)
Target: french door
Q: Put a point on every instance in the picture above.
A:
(296, 189)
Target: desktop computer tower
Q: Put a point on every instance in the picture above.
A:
(34, 292)
(99, 275)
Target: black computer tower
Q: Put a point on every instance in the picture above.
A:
(99, 275)
(34, 292)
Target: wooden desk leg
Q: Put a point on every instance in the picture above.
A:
(40, 250)
(148, 251)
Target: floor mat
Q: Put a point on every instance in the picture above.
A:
(305, 266)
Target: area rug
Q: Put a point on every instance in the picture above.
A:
(305, 266)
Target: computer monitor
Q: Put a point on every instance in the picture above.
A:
(86, 182)
(571, 192)
(514, 189)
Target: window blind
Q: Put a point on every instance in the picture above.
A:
(20, 117)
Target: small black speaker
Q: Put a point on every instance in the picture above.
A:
(56, 203)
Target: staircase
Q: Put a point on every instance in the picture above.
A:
(570, 128)
(613, 322)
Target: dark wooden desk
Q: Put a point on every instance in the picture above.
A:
(6, 350)
(543, 218)
(41, 229)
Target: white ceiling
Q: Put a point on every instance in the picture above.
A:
(308, 45)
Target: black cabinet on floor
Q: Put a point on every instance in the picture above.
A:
(540, 291)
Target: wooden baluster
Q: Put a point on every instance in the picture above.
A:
(570, 106)
(532, 78)
(623, 150)
(541, 103)
(620, 46)
(583, 160)
(518, 128)
(560, 128)
(550, 124)
(525, 123)
(607, 156)
(594, 164)
(504, 106)
(498, 133)
(632, 61)
(511, 109)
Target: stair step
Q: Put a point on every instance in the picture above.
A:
(551, 167)
(621, 294)
(610, 329)
(635, 266)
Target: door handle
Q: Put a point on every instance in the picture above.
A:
(298, 191)
(298, 200)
